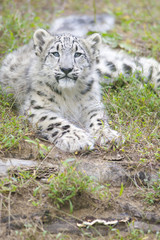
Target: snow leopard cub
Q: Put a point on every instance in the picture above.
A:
(56, 85)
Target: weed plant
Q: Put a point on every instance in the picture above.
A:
(72, 183)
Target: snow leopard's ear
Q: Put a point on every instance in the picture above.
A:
(40, 38)
(94, 40)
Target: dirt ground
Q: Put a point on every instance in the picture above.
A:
(113, 167)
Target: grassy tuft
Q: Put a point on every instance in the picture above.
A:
(152, 195)
(71, 183)
(12, 127)
(135, 109)
(17, 25)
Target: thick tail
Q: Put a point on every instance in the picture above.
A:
(82, 24)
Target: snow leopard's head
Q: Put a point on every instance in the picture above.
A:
(65, 59)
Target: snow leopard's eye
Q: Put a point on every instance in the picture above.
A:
(55, 54)
(77, 54)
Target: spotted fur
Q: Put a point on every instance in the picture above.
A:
(56, 85)
(113, 63)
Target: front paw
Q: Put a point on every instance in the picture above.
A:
(108, 136)
(74, 141)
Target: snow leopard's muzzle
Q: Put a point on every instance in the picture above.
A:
(66, 74)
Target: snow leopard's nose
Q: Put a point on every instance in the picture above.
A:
(66, 70)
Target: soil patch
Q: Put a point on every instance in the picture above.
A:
(112, 167)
